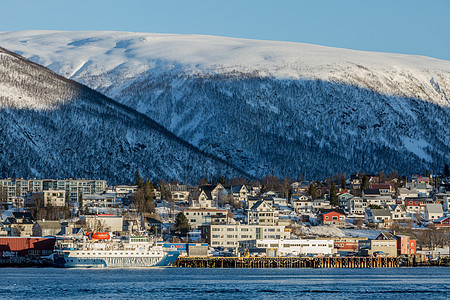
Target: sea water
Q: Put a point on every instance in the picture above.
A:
(177, 283)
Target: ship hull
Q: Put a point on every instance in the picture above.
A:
(67, 261)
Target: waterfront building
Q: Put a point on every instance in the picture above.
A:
(406, 243)
(373, 247)
(283, 247)
(347, 244)
(229, 236)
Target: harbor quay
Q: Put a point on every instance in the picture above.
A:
(308, 262)
(287, 262)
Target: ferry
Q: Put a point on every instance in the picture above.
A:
(123, 252)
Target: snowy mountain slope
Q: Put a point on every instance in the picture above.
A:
(54, 127)
(268, 107)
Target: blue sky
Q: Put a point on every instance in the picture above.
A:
(399, 26)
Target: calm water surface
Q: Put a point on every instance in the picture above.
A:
(172, 283)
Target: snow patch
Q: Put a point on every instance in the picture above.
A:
(417, 146)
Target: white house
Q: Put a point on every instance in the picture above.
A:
(356, 205)
(398, 212)
(262, 213)
(380, 217)
(197, 217)
(433, 211)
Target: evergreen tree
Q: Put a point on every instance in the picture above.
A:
(334, 200)
(138, 180)
(143, 198)
(446, 171)
(182, 223)
(312, 190)
(343, 183)
(364, 183)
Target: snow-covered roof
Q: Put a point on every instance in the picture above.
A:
(434, 208)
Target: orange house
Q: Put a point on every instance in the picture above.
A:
(333, 217)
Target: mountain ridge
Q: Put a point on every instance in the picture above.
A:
(266, 107)
(38, 128)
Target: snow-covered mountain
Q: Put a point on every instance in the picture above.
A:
(53, 127)
(267, 107)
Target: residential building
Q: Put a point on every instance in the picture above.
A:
(217, 193)
(356, 205)
(413, 204)
(442, 199)
(199, 199)
(123, 190)
(433, 212)
(373, 199)
(262, 213)
(443, 222)
(199, 217)
(332, 217)
(46, 228)
(384, 189)
(74, 187)
(239, 192)
(48, 198)
(379, 217)
(19, 224)
(398, 212)
(343, 199)
(404, 193)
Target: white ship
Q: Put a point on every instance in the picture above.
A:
(126, 252)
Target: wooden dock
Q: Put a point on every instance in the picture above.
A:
(287, 262)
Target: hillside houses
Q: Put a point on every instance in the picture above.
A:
(237, 216)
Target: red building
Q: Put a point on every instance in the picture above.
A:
(405, 245)
(23, 246)
(443, 222)
(412, 204)
(333, 217)
(348, 244)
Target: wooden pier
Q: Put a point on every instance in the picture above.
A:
(287, 262)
